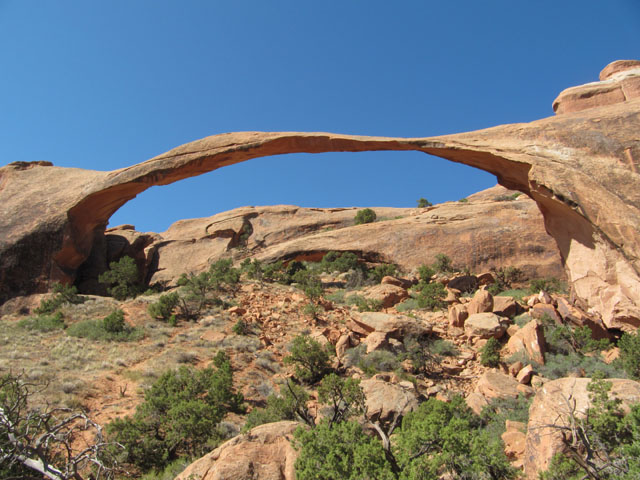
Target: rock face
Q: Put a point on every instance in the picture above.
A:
(264, 453)
(551, 406)
(385, 400)
(580, 168)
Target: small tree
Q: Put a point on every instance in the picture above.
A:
(344, 397)
(114, 322)
(365, 215)
(123, 279)
(423, 203)
(629, 345)
(62, 294)
(443, 263)
(311, 360)
(290, 404)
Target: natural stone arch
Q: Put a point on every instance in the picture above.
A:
(580, 168)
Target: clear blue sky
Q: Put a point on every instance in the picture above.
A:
(106, 84)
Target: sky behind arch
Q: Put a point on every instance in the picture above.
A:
(103, 85)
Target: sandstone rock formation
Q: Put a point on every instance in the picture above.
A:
(552, 405)
(580, 168)
(264, 453)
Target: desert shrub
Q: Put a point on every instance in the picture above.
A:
(443, 263)
(423, 202)
(378, 361)
(122, 278)
(441, 437)
(111, 328)
(499, 410)
(336, 297)
(195, 294)
(222, 275)
(62, 294)
(463, 200)
(490, 353)
(313, 310)
(629, 346)
(507, 198)
(289, 404)
(377, 273)
(425, 272)
(431, 295)
(426, 353)
(309, 282)
(354, 279)
(180, 415)
(340, 451)
(364, 304)
(241, 327)
(504, 277)
(165, 306)
(560, 365)
(564, 339)
(253, 269)
(310, 359)
(549, 285)
(340, 262)
(114, 322)
(407, 305)
(517, 294)
(365, 215)
(43, 323)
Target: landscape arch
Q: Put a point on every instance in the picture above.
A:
(580, 168)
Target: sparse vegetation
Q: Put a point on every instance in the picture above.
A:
(443, 263)
(504, 277)
(549, 285)
(111, 328)
(423, 203)
(365, 215)
(43, 323)
(62, 294)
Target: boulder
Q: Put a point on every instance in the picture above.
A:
(376, 341)
(541, 310)
(385, 400)
(577, 318)
(264, 453)
(397, 281)
(464, 283)
(514, 439)
(552, 405)
(506, 306)
(485, 325)
(457, 315)
(476, 402)
(481, 302)
(492, 384)
(395, 326)
(528, 339)
(524, 375)
(388, 295)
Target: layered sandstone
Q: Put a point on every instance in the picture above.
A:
(580, 168)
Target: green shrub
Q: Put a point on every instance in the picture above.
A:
(431, 295)
(504, 278)
(378, 361)
(253, 269)
(443, 348)
(62, 294)
(560, 365)
(111, 328)
(499, 410)
(340, 262)
(425, 272)
(629, 346)
(443, 263)
(311, 360)
(377, 273)
(114, 322)
(290, 404)
(122, 278)
(43, 323)
(340, 451)
(423, 203)
(180, 416)
(408, 305)
(241, 327)
(490, 353)
(364, 304)
(222, 275)
(309, 282)
(165, 306)
(365, 216)
(446, 437)
(463, 200)
(549, 285)
(426, 353)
